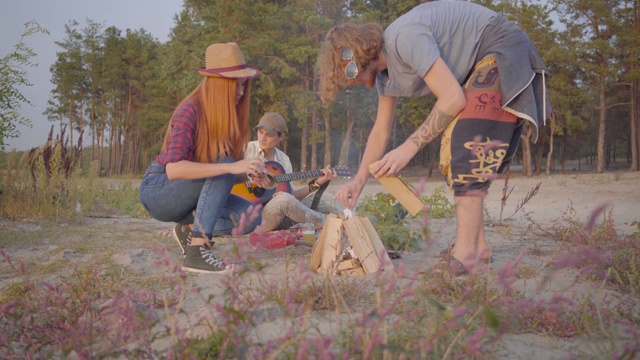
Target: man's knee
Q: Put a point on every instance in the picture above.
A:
(282, 200)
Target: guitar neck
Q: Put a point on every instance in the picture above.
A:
(297, 175)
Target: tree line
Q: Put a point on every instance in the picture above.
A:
(122, 86)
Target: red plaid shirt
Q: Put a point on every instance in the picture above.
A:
(181, 144)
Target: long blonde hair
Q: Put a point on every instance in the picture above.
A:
(366, 42)
(222, 127)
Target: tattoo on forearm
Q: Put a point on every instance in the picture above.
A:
(433, 125)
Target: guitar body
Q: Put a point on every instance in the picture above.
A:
(257, 195)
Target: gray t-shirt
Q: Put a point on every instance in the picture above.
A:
(451, 30)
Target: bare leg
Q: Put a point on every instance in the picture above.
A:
(470, 239)
(198, 241)
(484, 251)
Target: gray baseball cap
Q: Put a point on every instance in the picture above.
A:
(273, 123)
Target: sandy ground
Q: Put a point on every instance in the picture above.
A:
(579, 192)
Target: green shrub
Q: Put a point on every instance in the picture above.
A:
(439, 205)
(388, 218)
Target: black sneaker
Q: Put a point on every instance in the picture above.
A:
(182, 234)
(201, 260)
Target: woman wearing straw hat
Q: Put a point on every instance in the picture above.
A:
(190, 181)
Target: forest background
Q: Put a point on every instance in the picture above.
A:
(119, 89)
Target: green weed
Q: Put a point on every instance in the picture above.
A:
(49, 183)
(121, 198)
(636, 234)
(389, 219)
(439, 205)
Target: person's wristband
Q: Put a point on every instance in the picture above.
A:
(313, 185)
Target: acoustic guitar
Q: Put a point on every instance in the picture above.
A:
(278, 181)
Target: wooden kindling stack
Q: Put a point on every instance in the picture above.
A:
(328, 254)
(370, 254)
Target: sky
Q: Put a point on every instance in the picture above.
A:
(155, 16)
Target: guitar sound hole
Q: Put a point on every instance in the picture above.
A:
(258, 191)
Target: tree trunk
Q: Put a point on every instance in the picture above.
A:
(527, 169)
(327, 139)
(303, 145)
(552, 124)
(101, 150)
(563, 152)
(70, 123)
(314, 144)
(343, 158)
(539, 156)
(635, 134)
(119, 151)
(601, 122)
(101, 126)
(135, 152)
(80, 126)
(635, 101)
(92, 126)
(112, 135)
(129, 129)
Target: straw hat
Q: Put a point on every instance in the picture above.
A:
(226, 60)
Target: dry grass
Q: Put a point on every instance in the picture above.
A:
(112, 287)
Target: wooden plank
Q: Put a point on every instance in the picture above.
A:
(331, 247)
(378, 246)
(355, 271)
(316, 252)
(348, 264)
(359, 239)
(401, 191)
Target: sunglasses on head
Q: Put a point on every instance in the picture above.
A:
(351, 70)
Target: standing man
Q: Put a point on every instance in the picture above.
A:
(487, 77)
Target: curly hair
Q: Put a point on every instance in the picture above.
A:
(366, 42)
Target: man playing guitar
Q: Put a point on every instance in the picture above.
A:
(285, 209)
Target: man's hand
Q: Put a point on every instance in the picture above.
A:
(327, 175)
(255, 169)
(394, 161)
(261, 180)
(349, 193)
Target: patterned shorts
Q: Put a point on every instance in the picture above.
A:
(483, 138)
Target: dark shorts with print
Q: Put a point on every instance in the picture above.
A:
(483, 138)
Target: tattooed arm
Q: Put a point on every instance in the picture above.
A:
(450, 102)
(435, 123)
